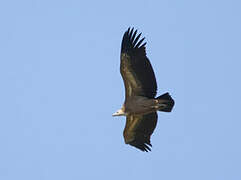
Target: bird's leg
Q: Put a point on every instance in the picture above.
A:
(158, 105)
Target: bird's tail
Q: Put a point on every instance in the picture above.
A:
(165, 102)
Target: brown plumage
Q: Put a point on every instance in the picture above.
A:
(140, 104)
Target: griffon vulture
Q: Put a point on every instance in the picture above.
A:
(140, 104)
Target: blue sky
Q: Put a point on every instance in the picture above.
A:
(60, 84)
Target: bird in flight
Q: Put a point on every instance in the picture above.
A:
(140, 106)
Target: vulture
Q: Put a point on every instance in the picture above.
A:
(140, 106)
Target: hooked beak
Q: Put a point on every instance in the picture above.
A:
(115, 114)
(119, 113)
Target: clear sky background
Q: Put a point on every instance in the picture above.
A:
(60, 84)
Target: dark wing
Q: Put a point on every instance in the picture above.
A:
(135, 68)
(138, 130)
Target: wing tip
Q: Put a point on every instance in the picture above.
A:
(143, 146)
(130, 40)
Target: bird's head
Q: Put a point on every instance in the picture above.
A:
(120, 112)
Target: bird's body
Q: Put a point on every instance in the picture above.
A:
(140, 104)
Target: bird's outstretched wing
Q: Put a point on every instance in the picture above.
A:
(138, 130)
(135, 68)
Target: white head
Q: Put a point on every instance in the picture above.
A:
(120, 112)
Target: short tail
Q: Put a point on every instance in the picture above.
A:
(166, 102)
